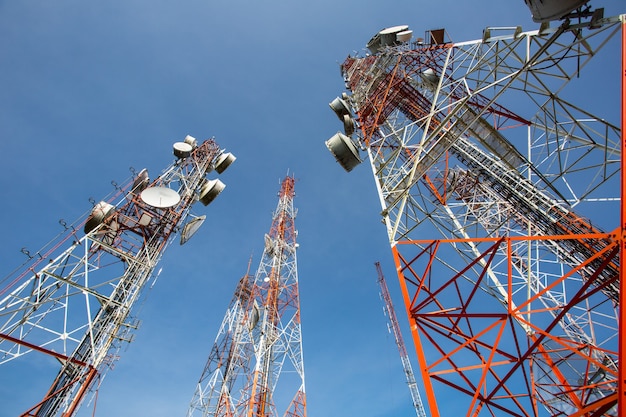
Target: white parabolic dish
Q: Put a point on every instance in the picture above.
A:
(160, 197)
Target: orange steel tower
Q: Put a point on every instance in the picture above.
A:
(74, 299)
(488, 174)
(255, 368)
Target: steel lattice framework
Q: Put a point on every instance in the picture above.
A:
(74, 299)
(255, 368)
(513, 304)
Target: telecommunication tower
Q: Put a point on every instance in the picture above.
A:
(514, 303)
(74, 299)
(255, 368)
(397, 334)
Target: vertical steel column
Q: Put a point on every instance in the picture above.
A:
(621, 388)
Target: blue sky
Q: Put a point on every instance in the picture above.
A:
(90, 89)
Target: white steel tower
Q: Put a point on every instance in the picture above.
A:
(255, 368)
(74, 299)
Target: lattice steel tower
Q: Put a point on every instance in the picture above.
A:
(487, 174)
(255, 368)
(74, 299)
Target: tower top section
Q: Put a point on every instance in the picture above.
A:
(287, 187)
(282, 234)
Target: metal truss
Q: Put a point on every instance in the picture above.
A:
(256, 367)
(514, 302)
(75, 300)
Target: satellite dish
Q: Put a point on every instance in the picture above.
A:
(348, 124)
(191, 228)
(404, 36)
(191, 141)
(99, 214)
(160, 197)
(344, 151)
(340, 107)
(393, 30)
(431, 76)
(386, 37)
(224, 161)
(182, 149)
(141, 182)
(546, 10)
(210, 190)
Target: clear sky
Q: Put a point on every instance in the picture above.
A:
(91, 88)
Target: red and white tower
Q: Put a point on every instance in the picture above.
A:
(74, 299)
(487, 173)
(255, 368)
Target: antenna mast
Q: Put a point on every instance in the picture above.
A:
(74, 300)
(255, 367)
(404, 357)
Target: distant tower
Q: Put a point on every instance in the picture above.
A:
(486, 172)
(397, 334)
(255, 368)
(74, 299)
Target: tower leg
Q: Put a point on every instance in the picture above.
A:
(621, 402)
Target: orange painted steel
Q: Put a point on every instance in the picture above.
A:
(500, 360)
(622, 235)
